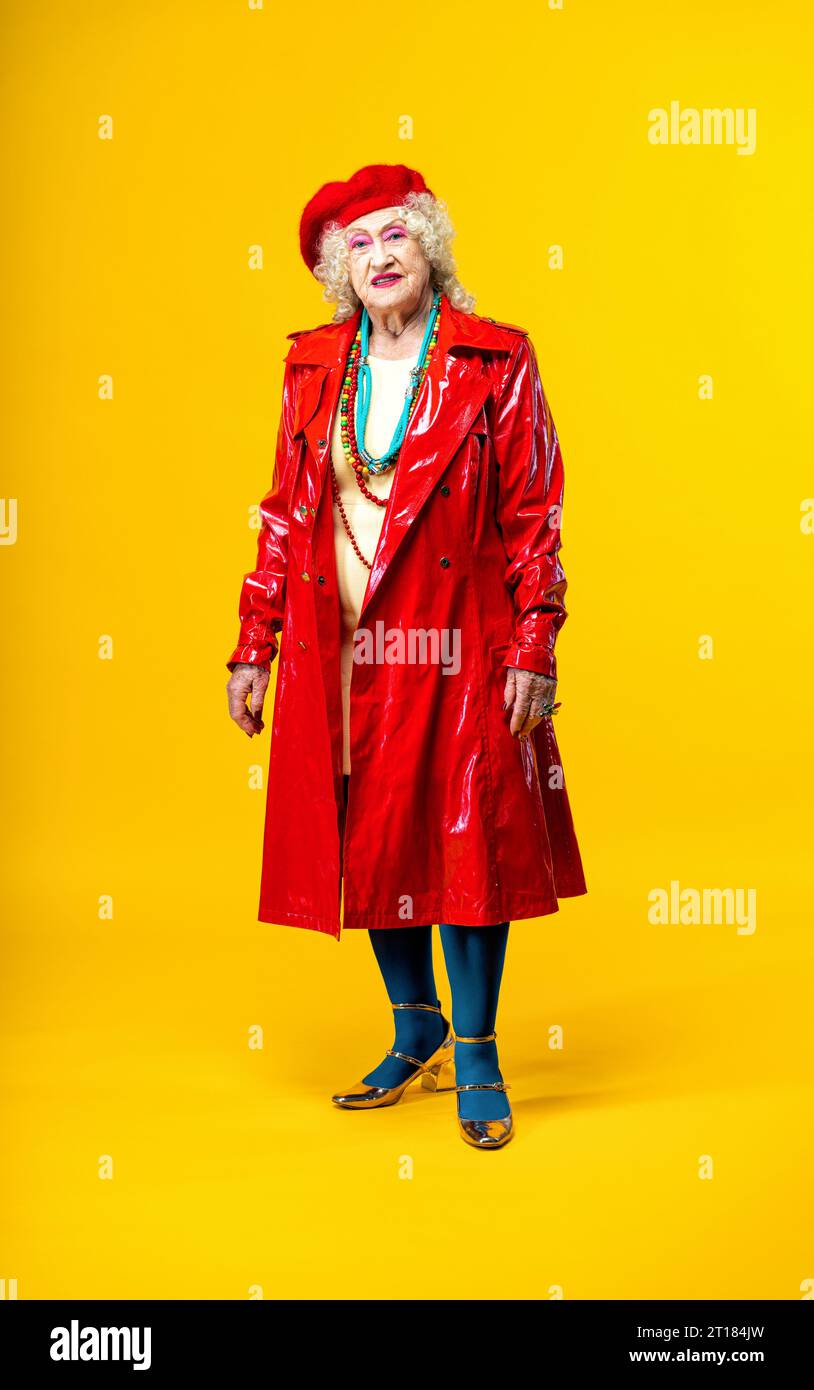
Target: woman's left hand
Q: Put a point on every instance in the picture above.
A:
(525, 694)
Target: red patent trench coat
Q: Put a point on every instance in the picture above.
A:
(449, 817)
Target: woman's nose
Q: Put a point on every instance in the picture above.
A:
(381, 254)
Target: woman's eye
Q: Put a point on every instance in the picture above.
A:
(395, 235)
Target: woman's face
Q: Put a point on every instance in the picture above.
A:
(388, 268)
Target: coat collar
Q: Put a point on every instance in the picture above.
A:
(452, 393)
(328, 344)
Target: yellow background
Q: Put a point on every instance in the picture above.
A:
(682, 518)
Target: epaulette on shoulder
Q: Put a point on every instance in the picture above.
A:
(512, 327)
(301, 332)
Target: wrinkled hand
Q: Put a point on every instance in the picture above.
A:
(246, 680)
(525, 694)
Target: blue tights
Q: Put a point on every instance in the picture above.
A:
(474, 959)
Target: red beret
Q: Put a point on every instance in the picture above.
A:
(375, 186)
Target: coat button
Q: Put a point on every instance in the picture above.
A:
(321, 442)
(311, 510)
(444, 562)
(320, 579)
(303, 509)
(301, 644)
(445, 491)
(306, 576)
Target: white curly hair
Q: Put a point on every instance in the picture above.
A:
(426, 218)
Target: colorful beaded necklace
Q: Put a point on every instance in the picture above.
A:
(354, 408)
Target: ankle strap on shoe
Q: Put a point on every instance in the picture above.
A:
(490, 1037)
(430, 1008)
(405, 1057)
(485, 1086)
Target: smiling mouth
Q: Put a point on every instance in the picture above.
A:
(389, 279)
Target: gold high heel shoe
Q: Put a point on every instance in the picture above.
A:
(485, 1134)
(437, 1073)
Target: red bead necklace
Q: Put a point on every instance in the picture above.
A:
(347, 415)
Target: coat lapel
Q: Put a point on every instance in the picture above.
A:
(453, 391)
(451, 395)
(323, 351)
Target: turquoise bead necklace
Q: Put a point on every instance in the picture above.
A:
(364, 387)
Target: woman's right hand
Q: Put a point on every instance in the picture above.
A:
(247, 679)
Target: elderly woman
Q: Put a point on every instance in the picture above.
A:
(408, 558)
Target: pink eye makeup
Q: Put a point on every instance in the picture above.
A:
(359, 241)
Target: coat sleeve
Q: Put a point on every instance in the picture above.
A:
(528, 512)
(262, 597)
